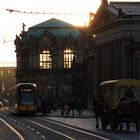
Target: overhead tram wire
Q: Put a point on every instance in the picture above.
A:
(6, 41)
(45, 13)
(5, 35)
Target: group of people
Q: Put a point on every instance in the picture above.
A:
(45, 106)
(68, 107)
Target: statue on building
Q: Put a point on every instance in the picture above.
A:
(23, 33)
(23, 27)
(120, 13)
(17, 41)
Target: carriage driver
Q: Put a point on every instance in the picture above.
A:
(128, 96)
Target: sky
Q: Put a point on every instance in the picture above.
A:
(75, 12)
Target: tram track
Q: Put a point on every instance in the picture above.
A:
(75, 129)
(23, 130)
(19, 136)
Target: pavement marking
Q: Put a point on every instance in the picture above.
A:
(32, 129)
(37, 132)
(43, 137)
(19, 122)
(27, 126)
(3, 115)
(51, 129)
(17, 133)
(82, 131)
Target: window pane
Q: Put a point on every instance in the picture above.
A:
(68, 58)
(45, 60)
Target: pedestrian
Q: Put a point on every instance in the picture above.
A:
(62, 104)
(79, 106)
(66, 110)
(44, 106)
(39, 105)
(72, 105)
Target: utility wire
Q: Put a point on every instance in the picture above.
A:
(48, 13)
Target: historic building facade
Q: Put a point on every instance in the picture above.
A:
(115, 31)
(45, 55)
(7, 80)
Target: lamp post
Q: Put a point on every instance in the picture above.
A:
(131, 45)
(1, 81)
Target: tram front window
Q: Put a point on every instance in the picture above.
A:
(26, 98)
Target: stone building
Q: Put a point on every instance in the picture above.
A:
(115, 31)
(7, 80)
(45, 55)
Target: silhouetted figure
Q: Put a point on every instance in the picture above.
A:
(79, 106)
(23, 26)
(44, 106)
(62, 107)
(72, 106)
(39, 105)
(17, 41)
(66, 110)
(128, 96)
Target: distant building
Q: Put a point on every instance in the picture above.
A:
(115, 32)
(45, 55)
(7, 80)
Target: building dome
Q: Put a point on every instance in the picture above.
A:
(55, 27)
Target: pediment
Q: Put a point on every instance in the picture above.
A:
(103, 17)
(108, 13)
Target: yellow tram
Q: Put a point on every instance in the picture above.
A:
(23, 99)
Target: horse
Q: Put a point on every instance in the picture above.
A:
(98, 110)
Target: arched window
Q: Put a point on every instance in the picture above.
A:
(68, 57)
(45, 60)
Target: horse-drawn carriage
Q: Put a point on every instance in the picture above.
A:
(120, 104)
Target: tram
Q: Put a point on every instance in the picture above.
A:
(23, 99)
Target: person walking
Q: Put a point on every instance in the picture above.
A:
(72, 105)
(44, 106)
(62, 105)
(79, 106)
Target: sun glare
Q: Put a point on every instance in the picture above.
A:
(75, 12)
